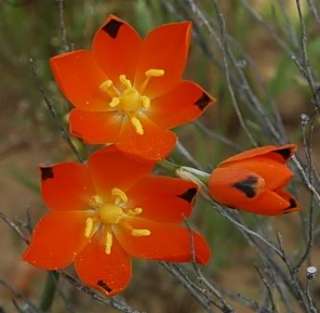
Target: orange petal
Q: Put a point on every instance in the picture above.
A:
(277, 153)
(111, 168)
(57, 239)
(268, 203)
(183, 104)
(294, 206)
(235, 186)
(242, 189)
(167, 242)
(79, 78)
(95, 127)
(155, 144)
(66, 186)
(116, 47)
(274, 173)
(166, 47)
(107, 273)
(163, 199)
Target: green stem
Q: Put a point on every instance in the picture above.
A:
(169, 166)
(49, 291)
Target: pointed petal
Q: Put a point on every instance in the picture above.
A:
(155, 144)
(277, 153)
(116, 47)
(109, 273)
(294, 206)
(57, 239)
(112, 168)
(274, 173)
(95, 127)
(167, 242)
(183, 104)
(66, 186)
(166, 47)
(235, 186)
(269, 203)
(79, 78)
(163, 199)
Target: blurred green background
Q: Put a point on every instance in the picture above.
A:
(29, 136)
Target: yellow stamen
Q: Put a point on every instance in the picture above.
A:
(145, 102)
(108, 244)
(137, 125)
(140, 232)
(114, 102)
(89, 227)
(125, 81)
(135, 211)
(120, 195)
(155, 72)
(96, 202)
(108, 87)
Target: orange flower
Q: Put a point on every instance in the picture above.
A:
(129, 91)
(108, 210)
(254, 180)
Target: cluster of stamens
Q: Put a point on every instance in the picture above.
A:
(127, 99)
(108, 214)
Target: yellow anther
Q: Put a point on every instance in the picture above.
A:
(135, 211)
(108, 244)
(145, 102)
(114, 102)
(106, 85)
(96, 202)
(119, 194)
(125, 81)
(140, 232)
(137, 125)
(155, 72)
(89, 227)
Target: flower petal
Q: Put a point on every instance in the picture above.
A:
(107, 273)
(183, 104)
(277, 153)
(166, 47)
(95, 127)
(111, 168)
(57, 239)
(79, 78)
(155, 144)
(66, 186)
(274, 173)
(235, 186)
(163, 199)
(116, 47)
(167, 242)
(268, 203)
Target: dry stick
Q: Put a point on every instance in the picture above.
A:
(212, 134)
(187, 155)
(114, 302)
(53, 113)
(314, 10)
(226, 308)
(63, 31)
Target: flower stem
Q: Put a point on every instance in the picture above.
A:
(49, 291)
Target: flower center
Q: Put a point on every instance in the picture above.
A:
(108, 214)
(128, 100)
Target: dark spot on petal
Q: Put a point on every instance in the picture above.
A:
(112, 28)
(293, 205)
(188, 195)
(285, 153)
(104, 285)
(247, 186)
(46, 172)
(203, 101)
